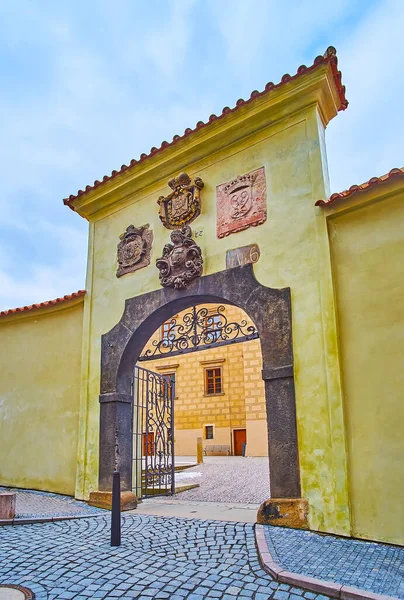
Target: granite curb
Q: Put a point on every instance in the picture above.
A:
(32, 521)
(329, 588)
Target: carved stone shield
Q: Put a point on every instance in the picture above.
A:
(240, 200)
(241, 203)
(183, 205)
(181, 261)
(134, 249)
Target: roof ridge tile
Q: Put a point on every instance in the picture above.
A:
(30, 307)
(330, 56)
(395, 172)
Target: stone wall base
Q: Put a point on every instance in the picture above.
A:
(284, 512)
(104, 500)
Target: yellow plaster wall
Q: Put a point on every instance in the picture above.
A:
(257, 437)
(185, 441)
(368, 262)
(40, 356)
(242, 384)
(294, 253)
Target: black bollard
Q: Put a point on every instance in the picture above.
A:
(116, 510)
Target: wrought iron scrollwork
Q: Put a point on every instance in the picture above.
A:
(199, 329)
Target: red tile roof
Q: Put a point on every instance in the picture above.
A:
(329, 57)
(66, 298)
(362, 187)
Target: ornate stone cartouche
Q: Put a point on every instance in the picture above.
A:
(134, 249)
(181, 261)
(183, 205)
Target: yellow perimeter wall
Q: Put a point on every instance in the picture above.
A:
(368, 262)
(40, 358)
(240, 406)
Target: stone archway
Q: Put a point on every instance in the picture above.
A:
(270, 309)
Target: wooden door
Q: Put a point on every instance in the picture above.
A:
(148, 444)
(240, 438)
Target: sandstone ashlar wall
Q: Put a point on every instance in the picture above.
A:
(256, 416)
(241, 405)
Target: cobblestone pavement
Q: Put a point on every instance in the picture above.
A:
(374, 567)
(227, 479)
(159, 558)
(33, 504)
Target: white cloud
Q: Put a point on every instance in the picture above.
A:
(89, 103)
(32, 282)
(366, 140)
(43, 284)
(167, 44)
(273, 36)
(80, 122)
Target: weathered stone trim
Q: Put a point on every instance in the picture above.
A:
(269, 309)
(104, 500)
(284, 512)
(115, 397)
(319, 586)
(278, 372)
(32, 521)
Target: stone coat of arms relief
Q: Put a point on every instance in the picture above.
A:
(183, 205)
(181, 261)
(241, 203)
(134, 249)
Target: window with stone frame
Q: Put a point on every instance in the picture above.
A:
(209, 435)
(213, 381)
(168, 385)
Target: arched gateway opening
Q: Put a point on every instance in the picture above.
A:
(268, 308)
(199, 397)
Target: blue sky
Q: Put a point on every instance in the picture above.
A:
(86, 86)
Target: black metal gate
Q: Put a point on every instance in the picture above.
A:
(199, 329)
(153, 434)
